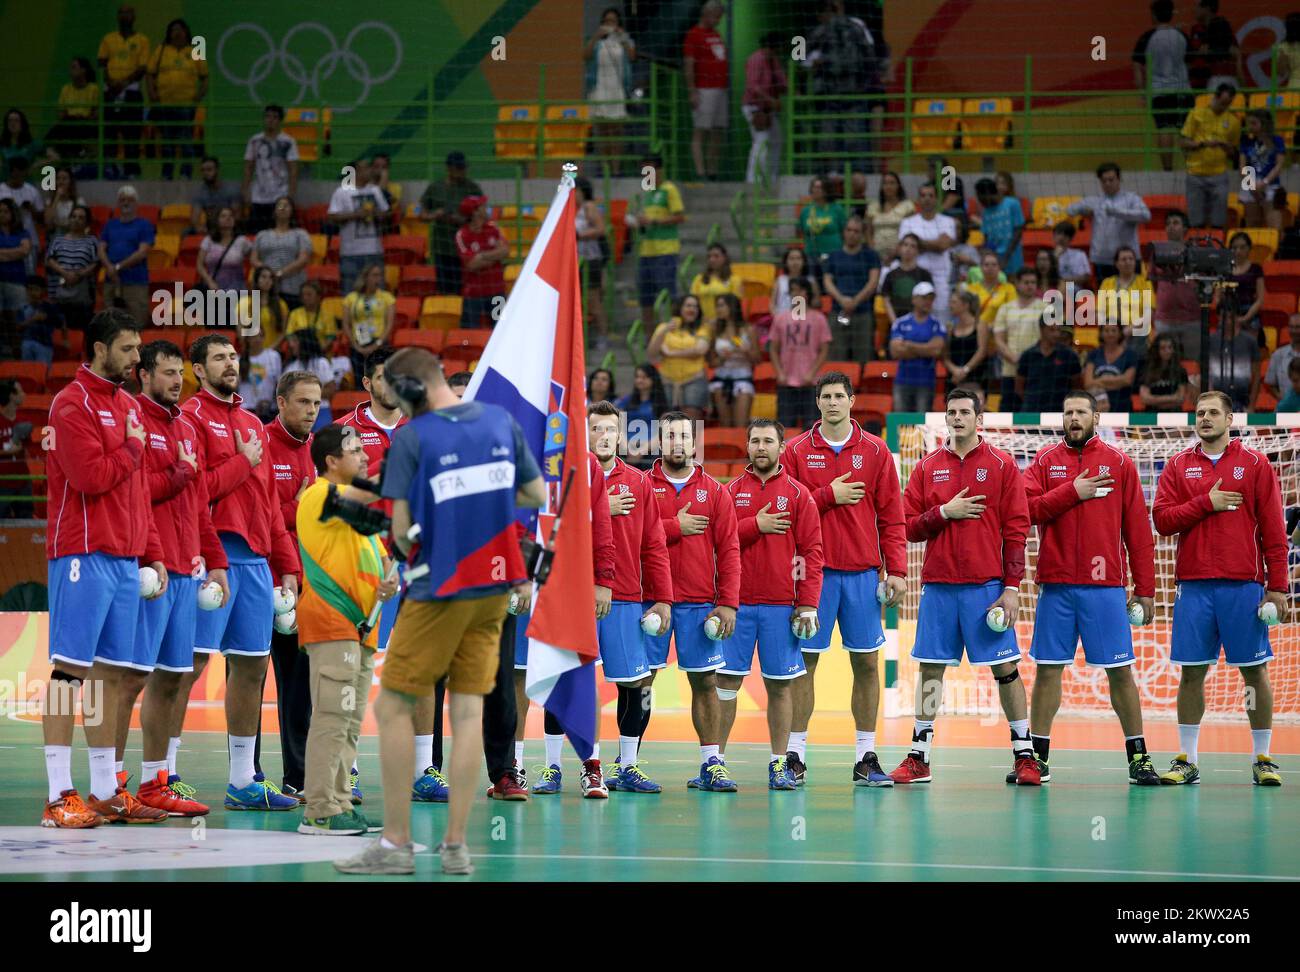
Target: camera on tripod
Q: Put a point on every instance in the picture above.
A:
(1206, 259)
(366, 520)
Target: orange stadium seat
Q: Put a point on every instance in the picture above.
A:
(466, 342)
(413, 337)
(765, 377)
(406, 312)
(724, 444)
(851, 368)
(60, 375)
(878, 377)
(418, 280)
(310, 128)
(327, 275)
(29, 374)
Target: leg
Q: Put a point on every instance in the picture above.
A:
(705, 714)
(499, 712)
(1124, 699)
(246, 674)
(327, 737)
(741, 405)
(1191, 695)
(130, 685)
(466, 742)
(360, 696)
(865, 701)
(394, 712)
(697, 152)
(1011, 694)
(426, 716)
(727, 708)
(1258, 696)
(156, 709)
(779, 708)
(1047, 697)
(803, 697)
(521, 707)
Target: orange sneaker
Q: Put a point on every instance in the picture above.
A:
(70, 811)
(157, 793)
(121, 807)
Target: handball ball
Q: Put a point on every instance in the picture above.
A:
(812, 629)
(1268, 613)
(210, 596)
(996, 619)
(880, 592)
(284, 601)
(711, 626)
(287, 623)
(149, 582)
(1136, 616)
(513, 606)
(651, 624)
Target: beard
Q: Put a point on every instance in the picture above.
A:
(224, 384)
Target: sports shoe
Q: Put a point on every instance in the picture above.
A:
(431, 787)
(70, 812)
(714, 777)
(507, 788)
(157, 793)
(633, 780)
(1181, 770)
(913, 769)
(779, 776)
(293, 791)
(796, 766)
(549, 781)
(615, 771)
(1027, 773)
(354, 780)
(521, 775)
(1044, 774)
(367, 825)
(1264, 772)
(592, 781)
(455, 859)
(336, 825)
(378, 859)
(122, 807)
(180, 787)
(258, 795)
(1141, 772)
(867, 772)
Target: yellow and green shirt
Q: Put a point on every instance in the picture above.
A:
(123, 54)
(1203, 125)
(662, 240)
(178, 73)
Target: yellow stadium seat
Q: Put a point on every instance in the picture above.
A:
(441, 313)
(310, 128)
(986, 124)
(764, 406)
(1285, 106)
(1263, 243)
(179, 211)
(515, 133)
(512, 274)
(332, 307)
(320, 244)
(1050, 210)
(757, 279)
(1238, 103)
(566, 132)
(160, 259)
(935, 123)
(392, 273)
(167, 242)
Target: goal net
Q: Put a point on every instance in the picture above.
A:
(1084, 688)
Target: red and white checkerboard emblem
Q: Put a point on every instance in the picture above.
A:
(701, 496)
(1238, 472)
(857, 462)
(781, 503)
(981, 475)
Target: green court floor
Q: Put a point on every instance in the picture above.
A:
(967, 825)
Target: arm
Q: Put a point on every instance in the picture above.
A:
(141, 253)
(532, 494)
(808, 545)
(1272, 526)
(722, 526)
(656, 347)
(774, 355)
(402, 525)
(890, 523)
(1253, 310)
(1170, 512)
(602, 528)
(1130, 208)
(922, 522)
(1014, 514)
(89, 468)
(1137, 535)
(747, 531)
(656, 570)
(222, 478)
(829, 281)
(246, 183)
(870, 288)
(1046, 504)
(166, 483)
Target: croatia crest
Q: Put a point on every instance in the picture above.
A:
(624, 488)
(857, 462)
(1103, 470)
(781, 504)
(981, 475)
(701, 496)
(1238, 472)
(557, 434)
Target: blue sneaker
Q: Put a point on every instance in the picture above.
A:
(867, 772)
(714, 777)
(259, 795)
(549, 781)
(780, 776)
(354, 779)
(632, 780)
(615, 770)
(431, 787)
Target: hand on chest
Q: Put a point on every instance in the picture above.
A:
(943, 482)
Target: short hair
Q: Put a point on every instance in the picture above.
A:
(1129, 249)
(418, 363)
(1026, 271)
(834, 378)
(1080, 393)
(609, 408)
(986, 186)
(106, 326)
(211, 158)
(377, 357)
(1065, 228)
(800, 282)
(20, 162)
(327, 442)
(673, 416)
(1108, 167)
(9, 388)
(765, 423)
(928, 184)
(855, 218)
(911, 236)
(84, 209)
(1222, 397)
(199, 349)
(154, 350)
(1162, 11)
(291, 380)
(277, 109)
(1176, 214)
(962, 392)
(1227, 86)
(459, 379)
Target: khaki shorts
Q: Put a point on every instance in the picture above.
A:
(458, 638)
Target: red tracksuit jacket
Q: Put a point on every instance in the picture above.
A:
(603, 558)
(969, 551)
(96, 486)
(291, 464)
(706, 566)
(243, 498)
(1246, 544)
(374, 437)
(178, 493)
(1083, 541)
(767, 563)
(865, 535)
(641, 569)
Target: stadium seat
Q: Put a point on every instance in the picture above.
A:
(71, 349)
(1285, 106)
(935, 124)
(405, 250)
(872, 409)
(413, 337)
(99, 216)
(757, 279)
(1277, 309)
(418, 280)
(441, 312)
(332, 250)
(764, 406)
(1263, 243)
(878, 377)
(392, 275)
(183, 274)
(160, 259)
(986, 124)
(151, 334)
(511, 274)
(466, 342)
(406, 312)
(29, 374)
(327, 275)
(312, 218)
(1033, 239)
(36, 409)
(721, 471)
(756, 307)
(169, 243)
(1238, 105)
(452, 365)
(617, 213)
(149, 212)
(765, 378)
(515, 133)
(851, 368)
(1160, 205)
(176, 211)
(724, 444)
(565, 132)
(345, 401)
(320, 244)
(310, 128)
(1050, 210)
(60, 375)
(1282, 276)
(188, 253)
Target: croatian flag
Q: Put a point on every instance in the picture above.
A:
(533, 367)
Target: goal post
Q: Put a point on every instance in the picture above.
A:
(1149, 439)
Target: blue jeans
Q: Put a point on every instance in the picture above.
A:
(351, 267)
(35, 351)
(656, 273)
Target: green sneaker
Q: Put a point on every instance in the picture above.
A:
(1265, 772)
(1141, 772)
(338, 825)
(1181, 770)
(378, 859)
(367, 825)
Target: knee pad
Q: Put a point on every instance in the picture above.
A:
(727, 695)
(1007, 679)
(61, 676)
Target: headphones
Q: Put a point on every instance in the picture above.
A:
(408, 388)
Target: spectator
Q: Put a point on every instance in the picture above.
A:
(75, 134)
(359, 214)
(1290, 402)
(270, 170)
(483, 253)
(678, 348)
(1265, 153)
(968, 343)
(1245, 302)
(60, 202)
(39, 319)
(380, 177)
(16, 140)
(1071, 264)
(952, 200)
(1116, 216)
(440, 207)
(1112, 368)
(28, 199)
(936, 234)
(1210, 138)
(177, 82)
(902, 276)
(1160, 66)
(704, 66)
(124, 249)
(717, 278)
(797, 347)
(367, 315)
(609, 54)
(643, 406)
(1280, 360)
(1178, 307)
(794, 263)
(12, 444)
(1006, 184)
(886, 213)
(222, 253)
(311, 316)
(600, 386)
(990, 288)
(593, 252)
(302, 352)
(821, 223)
(1286, 56)
(1016, 328)
(735, 352)
(1218, 55)
(73, 260)
(123, 54)
(211, 197)
(840, 56)
(1047, 370)
(1003, 223)
(657, 213)
(259, 373)
(765, 83)
(1233, 363)
(1164, 386)
(458, 381)
(851, 276)
(286, 250)
(1049, 275)
(274, 311)
(1134, 296)
(916, 341)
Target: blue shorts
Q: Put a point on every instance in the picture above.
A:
(952, 616)
(696, 652)
(622, 643)
(165, 638)
(768, 626)
(656, 273)
(1099, 615)
(848, 596)
(1209, 613)
(243, 625)
(521, 641)
(94, 609)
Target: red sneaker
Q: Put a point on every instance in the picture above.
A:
(121, 807)
(157, 793)
(507, 788)
(913, 769)
(1028, 772)
(592, 783)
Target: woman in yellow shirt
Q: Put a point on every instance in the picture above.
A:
(177, 82)
(311, 316)
(717, 278)
(679, 348)
(990, 288)
(367, 316)
(74, 134)
(274, 310)
(1134, 306)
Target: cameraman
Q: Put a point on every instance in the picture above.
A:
(458, 470)
(344, 573)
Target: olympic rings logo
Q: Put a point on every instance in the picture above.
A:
(309, 82)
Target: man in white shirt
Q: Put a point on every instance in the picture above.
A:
(28, 200)
(270, 170)
(359, 213)
(937, 234)
(257, 387)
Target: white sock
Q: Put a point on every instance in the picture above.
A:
(173, 745)
(241, 760)
(595, 752)
(866, 744)
(708, 752)
(1260, 740)
(149, 769)
(922, 738)
(519, 754)
(58, 770)
(799, 744)
(1020, 741)
(627, 750)
(119, 766)
(1188, 740)
(103, 782)
(554, 748)
(423, 754)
